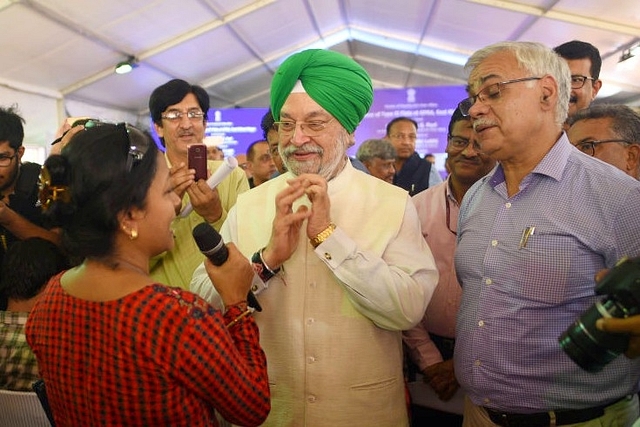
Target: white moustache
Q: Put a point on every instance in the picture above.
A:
(482, 123)
(302, 150)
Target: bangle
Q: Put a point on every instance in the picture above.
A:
(269, 269)
(244, 314)
(323, 235)
(261, 268)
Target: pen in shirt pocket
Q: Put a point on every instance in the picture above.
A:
(526, 233)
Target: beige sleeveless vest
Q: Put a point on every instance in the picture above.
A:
(328, 364)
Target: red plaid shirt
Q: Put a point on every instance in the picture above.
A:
(159, 356)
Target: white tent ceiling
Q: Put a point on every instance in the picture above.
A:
(67, 49)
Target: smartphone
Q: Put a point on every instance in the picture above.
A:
(197, 155)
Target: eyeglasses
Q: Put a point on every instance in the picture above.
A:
(138, 141)
(456, 143)
(5, 160)
(176, 116)
(310, 129)
(404, 136)
(578, 81)
(589, 147)
(139, 144)
(489, 94)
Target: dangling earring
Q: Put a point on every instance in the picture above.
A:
(134, 234)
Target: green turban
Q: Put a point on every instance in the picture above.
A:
(335, 81)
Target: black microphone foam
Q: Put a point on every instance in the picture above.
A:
(210, 243)
(212, 246)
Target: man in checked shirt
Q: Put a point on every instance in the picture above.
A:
(531, 236)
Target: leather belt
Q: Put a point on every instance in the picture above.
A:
(546, 419)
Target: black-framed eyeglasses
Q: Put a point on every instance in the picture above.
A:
(589, 147)
(489, 94)
(5, 161)
(176, 116)
(457, 143)
(310, 129)
(577, 81)
(139, 144)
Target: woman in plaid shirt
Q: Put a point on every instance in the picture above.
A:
(115, 348)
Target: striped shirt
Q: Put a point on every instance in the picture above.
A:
(518, 299)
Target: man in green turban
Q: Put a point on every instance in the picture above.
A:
(336, 82)
(343, 264)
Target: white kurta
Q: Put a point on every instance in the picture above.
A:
(331, 322)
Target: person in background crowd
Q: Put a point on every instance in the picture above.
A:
(610, 133)
(178, 111)
(270, 134)
(378, 156)
(531, 236)
(412, 172)
(20, 214)
(430, 343)
(430, 158)
(26, 269)
(260, 163)
(584, 64)
(114, 345)
(345, 273)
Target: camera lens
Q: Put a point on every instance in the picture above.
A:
(590, 347)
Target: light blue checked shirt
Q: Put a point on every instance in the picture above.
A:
(517, 300)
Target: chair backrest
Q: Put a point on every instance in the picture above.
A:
(21, 409)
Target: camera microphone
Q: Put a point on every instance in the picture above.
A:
(212, 246)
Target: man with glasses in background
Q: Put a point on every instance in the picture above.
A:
(341, 252)
(584, 63)
(412, 172)
(20, 211)
(430, 343)
(532, 234)
(179, 114)
(610, 133)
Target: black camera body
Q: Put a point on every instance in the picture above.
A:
(590, 347)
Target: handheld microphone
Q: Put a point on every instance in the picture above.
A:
(212, 246)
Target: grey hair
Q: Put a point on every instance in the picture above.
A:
(538, 60)
(372, 148)
(625, 122)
